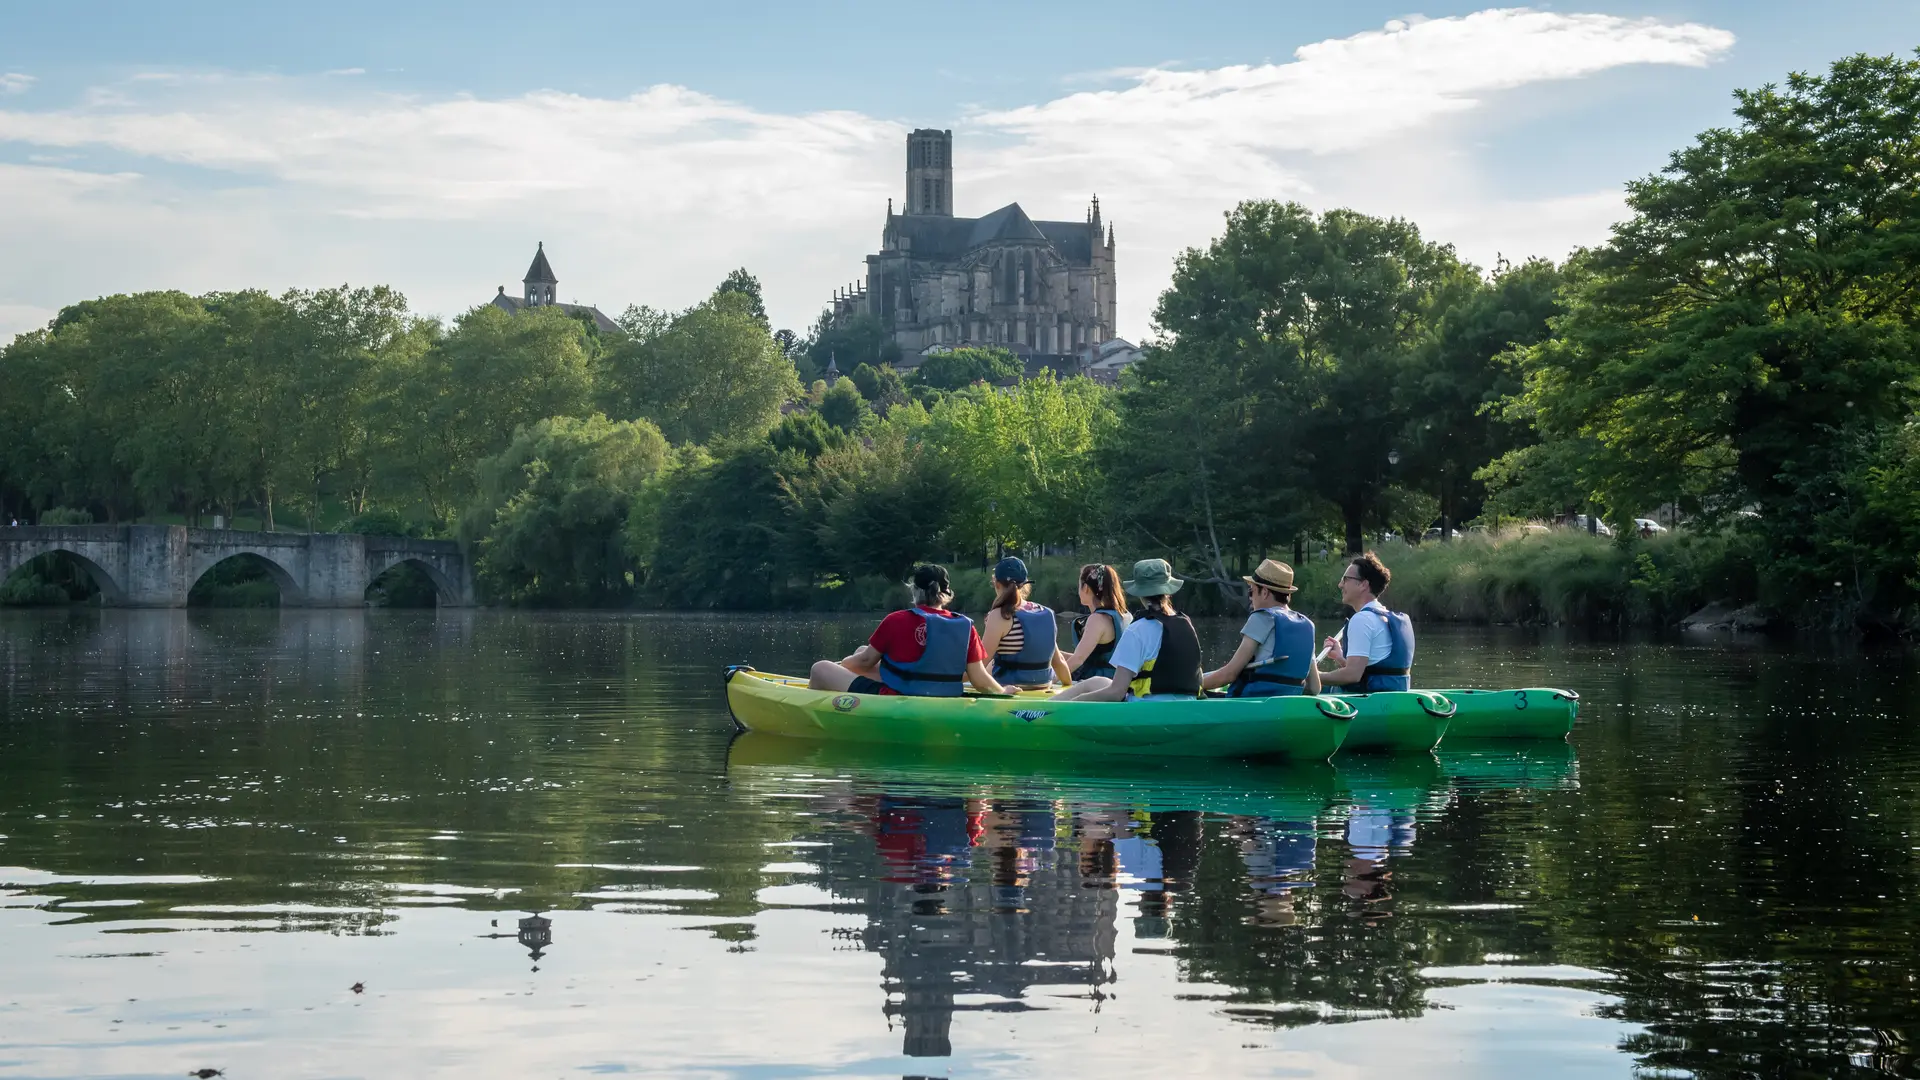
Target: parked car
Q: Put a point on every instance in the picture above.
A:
(1648, 526)
(1579, 521)
(1532, 529)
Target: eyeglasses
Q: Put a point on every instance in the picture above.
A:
(1347, 578)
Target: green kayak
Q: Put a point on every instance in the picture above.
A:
(1285, 790)
(1397, 721)
(1298, 728)
(1539, 712)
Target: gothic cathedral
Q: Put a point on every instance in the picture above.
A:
(1042, 289)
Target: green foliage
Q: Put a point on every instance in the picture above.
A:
(243, 581)
(725, 530)
(1565, 576)
(746, 288)
(66, 515)
(1024, 462)
(51, 579)
(881, 386)
(712, 373)
(843, 407)
(848, 344)
(1752, 333)
(957, 368)
(382, 521)
(547, 526)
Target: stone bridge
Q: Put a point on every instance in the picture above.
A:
(156, 565)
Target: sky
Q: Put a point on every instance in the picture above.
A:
(211, 146)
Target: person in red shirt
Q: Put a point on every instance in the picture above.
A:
(922, 651)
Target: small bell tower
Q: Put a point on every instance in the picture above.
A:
(539, 288)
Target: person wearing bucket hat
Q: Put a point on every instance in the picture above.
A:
(1159, 656)
(1022, 637)
(1275, 657)
(921, 651)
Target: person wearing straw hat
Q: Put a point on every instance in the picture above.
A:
(1159, 656)
(1275, 657)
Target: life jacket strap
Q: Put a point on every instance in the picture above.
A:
(921, 676)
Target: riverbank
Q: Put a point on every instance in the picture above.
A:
(1518, 577)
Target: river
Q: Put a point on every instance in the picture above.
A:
(392, 844)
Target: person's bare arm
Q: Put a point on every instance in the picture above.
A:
(1061, 672)
(1115, 690)
(993, 628)
(864, 661)
(1352, 669)
(1089, 640)
(1313, 680)
(982, 679)
(1229, 671)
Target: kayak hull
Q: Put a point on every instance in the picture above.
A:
(1397, 722)
(1296, 728)
(1538, 712)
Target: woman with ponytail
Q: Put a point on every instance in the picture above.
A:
(1021, 635)
(1098, 631)
(1159, 656)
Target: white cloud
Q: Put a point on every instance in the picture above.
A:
(13, 82)
(258, 180)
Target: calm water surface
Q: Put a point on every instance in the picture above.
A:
(214, 827)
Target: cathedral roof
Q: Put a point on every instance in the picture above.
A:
(539, 271)
(934, 237)
(1007, 223)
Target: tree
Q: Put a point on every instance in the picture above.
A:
(712, 373)
(881, 386)
(1287, 337)
(744, 285)
(843, 407)
(1457, 377)
(848, 343)
(1748, 334)
(548, 521)
(1023, 462)
(471, 391)
(956, 368)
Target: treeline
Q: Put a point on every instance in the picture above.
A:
(1740, 355)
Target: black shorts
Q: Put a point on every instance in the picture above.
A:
(863, 685)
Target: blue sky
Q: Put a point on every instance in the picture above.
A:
(214, 145)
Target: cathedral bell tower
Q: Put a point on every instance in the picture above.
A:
(930, 173)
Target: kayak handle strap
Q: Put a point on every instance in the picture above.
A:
(1427, 700)
(1334, 709)
(732, 670)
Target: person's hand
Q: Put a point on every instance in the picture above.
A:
(1334, 652)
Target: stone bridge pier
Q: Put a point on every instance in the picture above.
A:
(157, 565)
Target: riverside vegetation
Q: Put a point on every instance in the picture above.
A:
(1742, 351)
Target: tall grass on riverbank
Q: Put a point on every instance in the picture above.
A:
(1567, 577)
(1559, 577)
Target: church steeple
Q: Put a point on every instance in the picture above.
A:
(539, 286)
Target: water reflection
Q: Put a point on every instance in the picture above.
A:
(1721, 882)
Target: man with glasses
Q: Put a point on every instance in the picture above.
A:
(1375, 651)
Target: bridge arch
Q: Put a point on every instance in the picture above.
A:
(292, 592)
(111, 593)
(445, 589)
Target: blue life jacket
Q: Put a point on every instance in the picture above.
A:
(941, 665)
(1393, 671)
(1286, 673)
(1033, 664)
(1100, 660)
